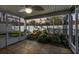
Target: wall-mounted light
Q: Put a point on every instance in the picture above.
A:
(28, 10)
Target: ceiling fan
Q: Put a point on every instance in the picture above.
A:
(29, 8)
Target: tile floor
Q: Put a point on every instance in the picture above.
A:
(33, 47)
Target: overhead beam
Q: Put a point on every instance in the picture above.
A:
(71, 10)
(48, 14)
(15, 14)
(61, 12)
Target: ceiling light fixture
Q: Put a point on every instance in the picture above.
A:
(28, 10)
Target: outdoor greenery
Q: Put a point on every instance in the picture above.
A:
(46, 37)
(16, 34)
(2, 33)
(32, 22)
(56, 20)
(34, 35)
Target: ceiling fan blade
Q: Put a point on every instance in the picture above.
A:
(38, 8)
(21, 10)
(27, 6)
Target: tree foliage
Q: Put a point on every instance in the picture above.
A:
(56, 20)
(32, 22)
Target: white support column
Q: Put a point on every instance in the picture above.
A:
(71, 45)
(19, 29)
(76, 32)
(5, 17)
(40, 23)
(53, 27)
(47, 26)
(70, 28)
(25, 27)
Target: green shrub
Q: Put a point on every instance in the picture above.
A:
(55, 39)
(59, 38)
(43, 38)
(63, 39)
(34, 35)
(16, 34)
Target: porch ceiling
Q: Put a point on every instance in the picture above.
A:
(14, 9)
